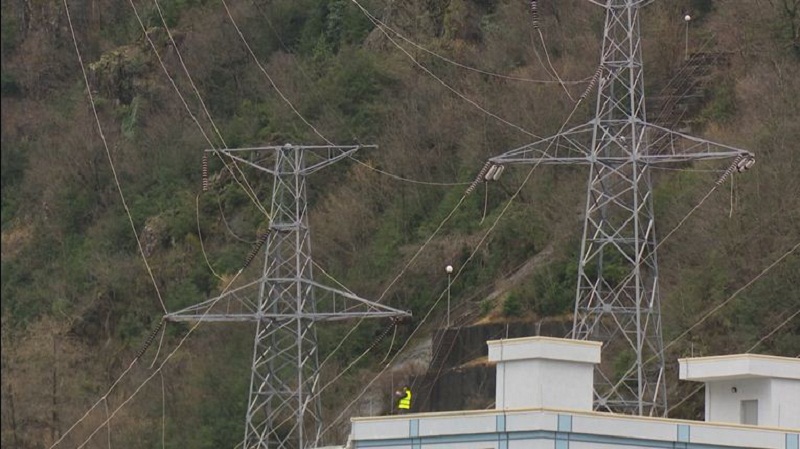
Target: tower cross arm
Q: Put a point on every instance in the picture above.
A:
(569, 147)
(324, 155)
(655, 144)
(667, 146)
(234, 305)
(607, 4)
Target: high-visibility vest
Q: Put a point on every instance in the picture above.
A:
(405, 401)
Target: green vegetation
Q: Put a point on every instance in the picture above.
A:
(71, 268)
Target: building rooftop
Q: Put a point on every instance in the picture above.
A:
(739, 366)
(542, 428)
(544, 401)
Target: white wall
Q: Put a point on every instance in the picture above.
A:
(544, 383)
(586, 430)
(723, 404)
(785, 403)
(778, 401)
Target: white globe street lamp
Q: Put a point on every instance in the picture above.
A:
(687, 18)
(449, 270)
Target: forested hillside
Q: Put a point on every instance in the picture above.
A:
(440, 87)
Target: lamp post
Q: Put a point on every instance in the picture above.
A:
(449, 270)
(687, 18)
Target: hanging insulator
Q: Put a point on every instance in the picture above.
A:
(535, 14)
(490, 174)
(256, 247)
(205, 173)
(730, 170)
(745, 163)
(500, 169)
(478, 178)
(149, 340)
(383, 335)
(592, 82)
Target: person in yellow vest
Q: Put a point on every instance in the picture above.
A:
(404, 403)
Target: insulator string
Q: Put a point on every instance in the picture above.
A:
(259, 243)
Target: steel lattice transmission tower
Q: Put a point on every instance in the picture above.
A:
(285, 303)
(617, 298)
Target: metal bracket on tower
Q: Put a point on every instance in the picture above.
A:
(285, 303)
(617, 298)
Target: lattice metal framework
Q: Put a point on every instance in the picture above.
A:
(283, 410)
(617, 298)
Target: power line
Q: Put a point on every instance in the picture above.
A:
(111, 160)
(338, 117)
(247, 190)
(441, 81)
(464, 66)
(722, 304)
(774, 330)
(457, 274)
(271, 81)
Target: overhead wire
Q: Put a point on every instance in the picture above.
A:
(111, 160)
(276, 89)
(227, 225)
(149, 340)
(457, 274)
(535, 16)
(248, 189)
(774, 330)
(308, 78)
(147, 379)
(271, 81)
(440, 80)
(712, 311)
(470, 68)
(763, 339)
(200, 237)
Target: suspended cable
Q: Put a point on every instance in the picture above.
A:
(271, 81)
(146, 380)
(400, 178)
(200, 237)
(247, 190)
(111, 160)
(456, 276)
(550, 64)
(458, 64)
(714, 310)
(391, 346)
(160, 343)
(774, 330)
(228, 226)
(441, 81)
(342, 123)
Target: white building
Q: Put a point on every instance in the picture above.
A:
(544, 401)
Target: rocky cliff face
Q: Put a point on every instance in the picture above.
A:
(459, 376)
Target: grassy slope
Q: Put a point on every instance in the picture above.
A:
(77, 301)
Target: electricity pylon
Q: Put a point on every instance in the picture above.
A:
(617, 298)
(283, 410)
